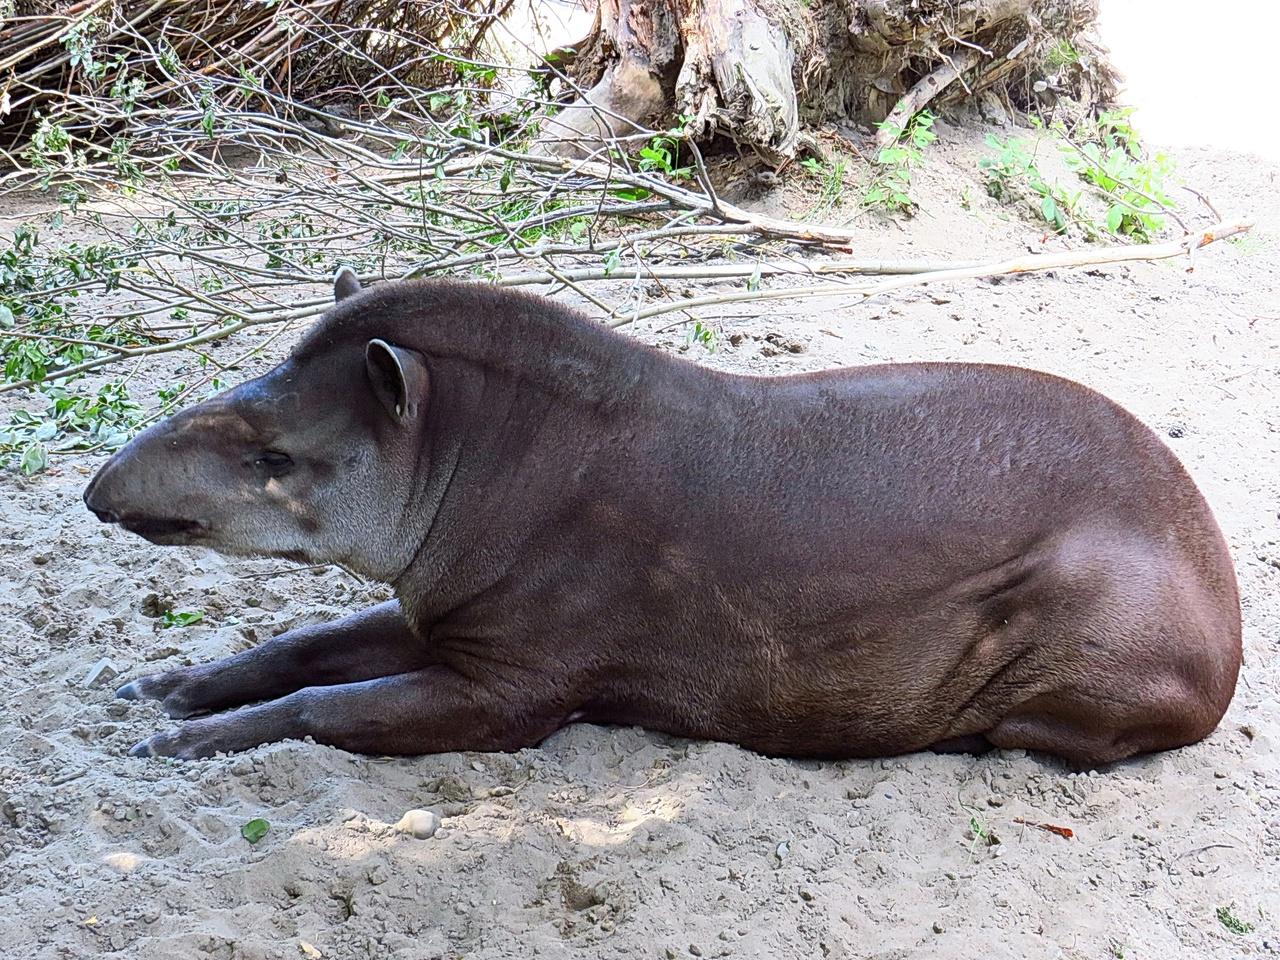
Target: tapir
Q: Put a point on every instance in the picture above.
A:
(856, 562)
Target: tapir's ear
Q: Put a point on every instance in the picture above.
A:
(398, 377)
(345, 284)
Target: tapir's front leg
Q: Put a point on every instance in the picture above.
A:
(372, 643)
(432, 710)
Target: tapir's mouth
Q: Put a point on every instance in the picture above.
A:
(164, 530)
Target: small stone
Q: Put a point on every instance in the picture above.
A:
(937, 927)
(695, 950)
(806, 896)
(100, 674)
(308, 950)
(421, 824)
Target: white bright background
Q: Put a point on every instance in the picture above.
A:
(1199, 73)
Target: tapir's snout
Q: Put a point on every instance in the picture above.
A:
(94, 500)
(124, 491)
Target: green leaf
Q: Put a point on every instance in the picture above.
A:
(1049, 209)
(34, 459)
(6, 318)
(255, 829)
(1115, 217)
(186, 618)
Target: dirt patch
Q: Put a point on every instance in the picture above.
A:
(621, 843)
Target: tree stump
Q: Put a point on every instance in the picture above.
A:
(753, 70)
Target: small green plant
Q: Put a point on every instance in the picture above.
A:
(660, 156)
(182, 618)
(1233, 923)
(703, 334)
(1013, 169)
(255, 829)
(889, 189)
(1061, 53)
(830, 174)
(81, 42)
(980, 833)
(1132, 182)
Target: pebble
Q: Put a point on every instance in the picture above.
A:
(101, 673)
(420, 824)
(937, 927)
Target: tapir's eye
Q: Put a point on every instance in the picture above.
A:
(274, 462)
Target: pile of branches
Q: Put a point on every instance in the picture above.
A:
(223, 214)
(52, 53)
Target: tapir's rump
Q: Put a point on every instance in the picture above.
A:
(856, 562)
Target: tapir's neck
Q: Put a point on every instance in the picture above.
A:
(510, 452)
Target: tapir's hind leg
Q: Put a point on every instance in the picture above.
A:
(1157, 680)
(373, 643)
(1125, 647)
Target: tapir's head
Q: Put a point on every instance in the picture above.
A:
(314, 461)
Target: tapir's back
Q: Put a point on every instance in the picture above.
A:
(874, 463)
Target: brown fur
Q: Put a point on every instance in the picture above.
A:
(856, 562)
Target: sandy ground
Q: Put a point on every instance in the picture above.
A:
(619, 843)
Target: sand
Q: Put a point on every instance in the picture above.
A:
(619, 843)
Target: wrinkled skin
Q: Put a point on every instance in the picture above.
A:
(858, 562)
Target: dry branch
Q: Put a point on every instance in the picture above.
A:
(1035, 263)
(920, 95)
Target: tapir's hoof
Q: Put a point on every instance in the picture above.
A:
(130, 691)
(142, 749)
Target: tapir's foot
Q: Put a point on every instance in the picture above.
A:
(177, 693)
(184, 743)
(233, 730)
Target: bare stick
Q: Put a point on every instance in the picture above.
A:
(1034, 263)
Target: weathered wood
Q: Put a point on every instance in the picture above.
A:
(736, 78)
(919, 96)
(634, 51)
